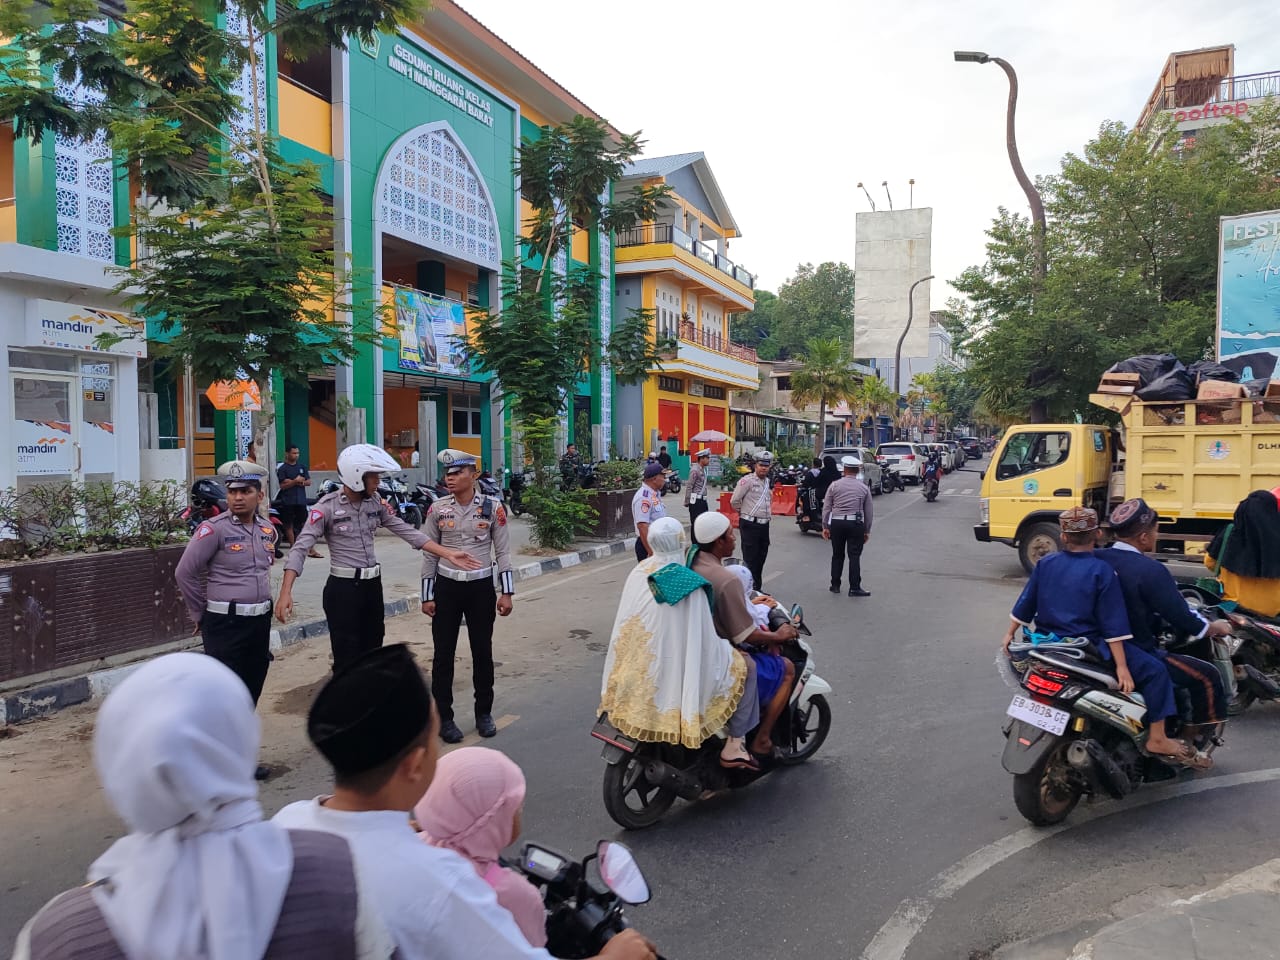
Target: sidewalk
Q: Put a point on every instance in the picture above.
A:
(401, 586)
(1240, 918)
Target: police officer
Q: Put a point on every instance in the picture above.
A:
(647, 506)
(475, 526)
(753, 500)
(695, 493)
(348, 519)
(846, 522)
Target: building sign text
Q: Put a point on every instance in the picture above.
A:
(417, 68)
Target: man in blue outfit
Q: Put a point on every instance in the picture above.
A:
(1074, 594)
(1152, 598)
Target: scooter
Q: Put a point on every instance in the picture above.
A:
(672, 483)
(1073, 733)
(929, 485)
(489, 487)
(642, 779)
(808, 509)
(1253, 669)
(208, 499)
(890, 478)
(516, 482)
(395, 491)
(584, 899)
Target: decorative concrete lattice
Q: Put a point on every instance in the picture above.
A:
(249, 92)
(83, 191)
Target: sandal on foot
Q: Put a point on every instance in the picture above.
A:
(739, 763)
(1185, 753)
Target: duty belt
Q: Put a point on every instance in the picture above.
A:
(238, 609)
(357, 573)
(857, 517)
(464, 576)
(753, 520)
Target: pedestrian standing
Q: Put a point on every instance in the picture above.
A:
(664, 458)
(348, 519)
(476, 526)
(846, 522)
(753, 500)
(695, 493)
(647, 506)
(291, 501)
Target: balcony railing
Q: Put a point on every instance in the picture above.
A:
(647, 233)
(1252, 86)
(689, 332)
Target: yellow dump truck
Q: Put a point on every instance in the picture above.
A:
(1192, 462)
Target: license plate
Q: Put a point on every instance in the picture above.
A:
(1039, 715)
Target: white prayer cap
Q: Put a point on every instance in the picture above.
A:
(709, 527)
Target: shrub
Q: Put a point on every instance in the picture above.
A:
(619, 474)
(50, 518)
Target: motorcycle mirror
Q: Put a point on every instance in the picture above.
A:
(621, 874)
(982, 474)
(797, 614)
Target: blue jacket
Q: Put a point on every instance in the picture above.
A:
(1151, 596)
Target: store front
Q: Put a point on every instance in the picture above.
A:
(71, 403)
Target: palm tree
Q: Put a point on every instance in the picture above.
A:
(824, 378)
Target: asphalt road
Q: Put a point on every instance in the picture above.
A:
(898, 840)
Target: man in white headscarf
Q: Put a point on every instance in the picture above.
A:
(200, 875)
(668, 677)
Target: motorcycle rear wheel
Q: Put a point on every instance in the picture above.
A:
(630, 799)
(1043, 795)
(810, 730)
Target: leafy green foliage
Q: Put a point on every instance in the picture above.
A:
(75, 518)
(815, 304)
(1132, 244)
(825, 378)
(559, 515)
(619, 474)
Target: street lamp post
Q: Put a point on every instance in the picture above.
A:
(1033, 196)
(897, 355)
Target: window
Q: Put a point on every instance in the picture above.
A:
(1028, 452)
(313, 74)
(671, 384)
(206, 415)
(473, 293)
(784, 383)
(713, 393)
(466, 412)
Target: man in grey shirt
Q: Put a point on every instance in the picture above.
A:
(846, 522)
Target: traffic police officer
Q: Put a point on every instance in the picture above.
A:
(846, 522)
(225, 579)
(647, 506)
(753, 500)
(695, 494)
(475, 526)
(348, 519)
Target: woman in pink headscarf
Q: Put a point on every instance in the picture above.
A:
(473, 808)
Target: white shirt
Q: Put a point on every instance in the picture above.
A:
(646, 507)
(432, 901)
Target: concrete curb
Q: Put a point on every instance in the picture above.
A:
(48, 698)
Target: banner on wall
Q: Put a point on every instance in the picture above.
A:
(1249, 294)
(432, 331)
(43, 448)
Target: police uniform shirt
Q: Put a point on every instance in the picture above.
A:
(646, 507)
(349, 527)
(845, 497)
(480, 528)
(227, 561)
(696, 489)
(752, 498)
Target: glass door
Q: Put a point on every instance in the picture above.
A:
(46, 414)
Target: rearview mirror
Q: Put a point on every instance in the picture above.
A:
(621, 873)
(982, 474)
(797, 614)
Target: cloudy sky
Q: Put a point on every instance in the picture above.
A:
(795, 102)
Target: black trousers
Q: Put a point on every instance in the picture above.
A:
(355, 612)
(242, 643)
(846, 539)
(697, 508)
(755, 548)
(1203, 684)
(641, 552)
(475, 601)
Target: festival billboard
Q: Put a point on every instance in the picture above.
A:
(432, 333)
(1249, 294)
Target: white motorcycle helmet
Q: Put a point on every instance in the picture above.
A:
(361, 458)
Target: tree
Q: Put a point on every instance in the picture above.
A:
(1132, 246)
(238, 264)
(815, 304)
(825, 378)
(874, 397)
(758, 328)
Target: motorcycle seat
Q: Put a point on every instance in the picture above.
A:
(1081, 662)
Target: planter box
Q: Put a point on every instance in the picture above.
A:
(81, 608)
(614, 514)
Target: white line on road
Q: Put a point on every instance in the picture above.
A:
(593, 571)
(893, 939)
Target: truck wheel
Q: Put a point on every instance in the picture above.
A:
(1037, 542)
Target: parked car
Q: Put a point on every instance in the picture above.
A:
(958, 456)
(972, 448)
(904, 458)
(870, 472)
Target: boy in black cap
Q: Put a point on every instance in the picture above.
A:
(1152, 599)
(375, 724)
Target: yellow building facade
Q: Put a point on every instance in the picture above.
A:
(678, 268)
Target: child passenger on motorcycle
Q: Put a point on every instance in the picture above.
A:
(1075, 594)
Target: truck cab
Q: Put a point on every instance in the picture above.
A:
(1037, 470)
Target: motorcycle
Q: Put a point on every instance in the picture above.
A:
(1253, 669)
(808, 509)
(208, 500)
(488, 486)
(584, 899)
(1074, 733)
(890, 478)
(516, 482)
(395, 491)
(642, 779)
(672, 483)
(929, 485)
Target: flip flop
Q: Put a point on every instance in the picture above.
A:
(739, 763)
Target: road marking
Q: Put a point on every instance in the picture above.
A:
(893, 939)
(595, 569)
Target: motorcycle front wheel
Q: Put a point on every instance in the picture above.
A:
(630, 799)
(413, 517)
(1045, 794)
(809, 729)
